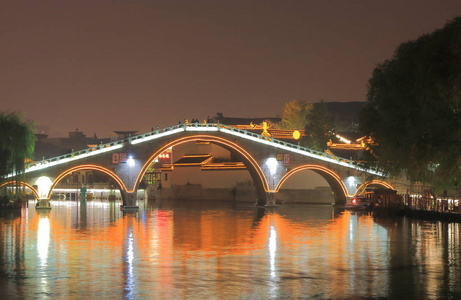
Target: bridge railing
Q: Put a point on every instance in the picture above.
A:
(75, 154)
(157, 133)
(288, 145)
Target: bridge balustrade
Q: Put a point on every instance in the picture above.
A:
(185, 126)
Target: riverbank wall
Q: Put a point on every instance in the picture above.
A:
(432, 215)
(242, 194)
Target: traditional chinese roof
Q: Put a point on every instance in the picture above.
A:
(224, 166)
(193, 160)
(238, 121)
(353, 137)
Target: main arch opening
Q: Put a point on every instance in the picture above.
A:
(203, 167)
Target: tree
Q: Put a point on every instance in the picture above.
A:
(17, 141)
(319, 128)
(413, 111)
(295, 114)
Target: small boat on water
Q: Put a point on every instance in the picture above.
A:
(376, 200)
(358, 203)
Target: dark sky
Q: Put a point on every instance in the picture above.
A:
(131, 65)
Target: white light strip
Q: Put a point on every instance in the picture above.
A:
(156, 136)
(344, 140)
(201, 128)
(68, 159)
(89, 190)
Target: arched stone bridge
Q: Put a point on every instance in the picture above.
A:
(258, 153)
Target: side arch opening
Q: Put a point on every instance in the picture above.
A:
(373, 184)
(334, 181)
(86, 167)
(23, 184)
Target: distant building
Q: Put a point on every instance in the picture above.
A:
(241, 121)
(50, 147)
(121, 135)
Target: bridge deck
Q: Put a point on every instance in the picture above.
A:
(198, 127)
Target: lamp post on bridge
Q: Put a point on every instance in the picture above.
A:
(272, 164)
(44, 185)
(130, 198)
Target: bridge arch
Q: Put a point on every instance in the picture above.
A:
(87, 167)
(24, 184)
(364, 185)
(252, 165)
(336, 183)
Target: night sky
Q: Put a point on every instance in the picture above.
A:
(131, 65)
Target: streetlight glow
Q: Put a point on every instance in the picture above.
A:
(130, 161)
(272, 165)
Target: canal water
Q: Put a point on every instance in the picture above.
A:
(208, 250)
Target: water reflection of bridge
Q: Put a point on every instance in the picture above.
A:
(343, 253)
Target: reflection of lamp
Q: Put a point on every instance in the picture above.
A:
(129, 259)
(272, 245)
(44, 185)
(43, 239)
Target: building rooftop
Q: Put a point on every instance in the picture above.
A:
(193, 160)
(240, 121)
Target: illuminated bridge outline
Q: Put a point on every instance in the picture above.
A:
(198, 127)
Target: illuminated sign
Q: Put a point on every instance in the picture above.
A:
(119, 158)
(115, 158)
(287, 158)
(164, 155)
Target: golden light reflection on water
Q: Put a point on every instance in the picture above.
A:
(187, 251)
(43, 239)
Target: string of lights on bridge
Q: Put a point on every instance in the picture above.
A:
(196, 127)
